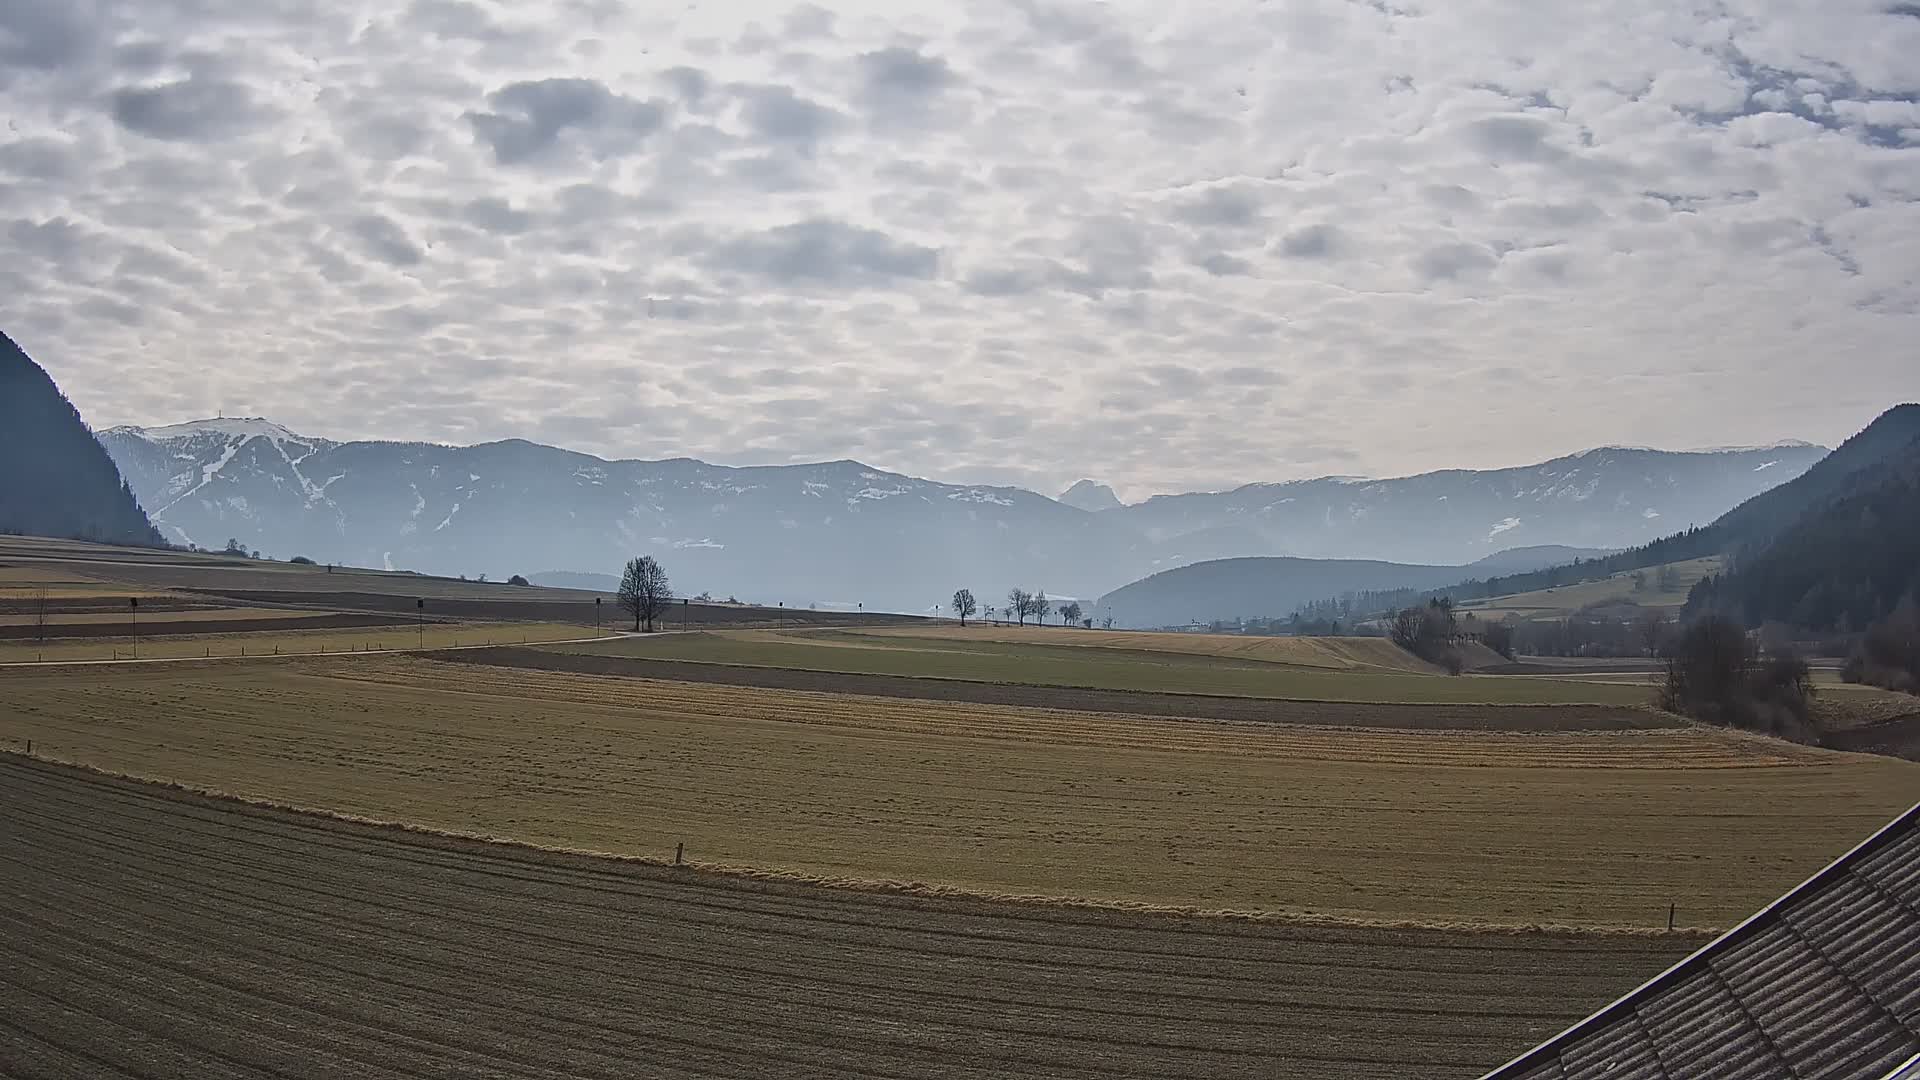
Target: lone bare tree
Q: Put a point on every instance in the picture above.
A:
(1041, 607)
(1070, 613)
(644, 591)
(964, 605)
(1019, 604)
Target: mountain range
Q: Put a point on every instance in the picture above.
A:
(845, 533)
(1831, 549)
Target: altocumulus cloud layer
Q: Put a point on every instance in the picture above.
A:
(1166, 245)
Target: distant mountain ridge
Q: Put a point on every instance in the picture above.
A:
(1608, 497)
(1091, 497)
(843, 532)
(55, 478)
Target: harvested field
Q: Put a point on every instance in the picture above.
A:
(1140, 703)
(1584, 829)
(1329, 653)
(156, 933)
(349, 633)
(1040, 664)
(541, 605)
(246, 621)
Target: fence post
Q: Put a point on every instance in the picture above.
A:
(1670, 908)
(679, 851)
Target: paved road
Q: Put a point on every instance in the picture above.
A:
(146, 932)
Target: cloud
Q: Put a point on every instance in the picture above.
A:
(1156, 230)
(824, 252)
(532, 118)
(777, 113)
(1310, 241)
(190, 109)
(894, 75)
(384, 239)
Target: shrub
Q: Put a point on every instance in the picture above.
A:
(518, 580)
(1888, 654)
(301, 560)
(1714, 674)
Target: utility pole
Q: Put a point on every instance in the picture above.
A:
(420, 609)
(596, 614)
(133, 606)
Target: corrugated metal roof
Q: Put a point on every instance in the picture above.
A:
(1823, 983)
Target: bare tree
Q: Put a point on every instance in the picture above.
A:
(1070, 613)
(1041, 607)
(964, 605)
(1019, 604)
(644, 591)
(1652, 629)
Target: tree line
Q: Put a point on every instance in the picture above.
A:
(1022, 605)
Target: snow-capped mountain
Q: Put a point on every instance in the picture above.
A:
(1611, 497)
(843, 532)
(835, 532)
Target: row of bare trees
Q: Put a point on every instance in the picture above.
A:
(1021, 606)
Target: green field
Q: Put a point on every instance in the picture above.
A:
(1040, 664)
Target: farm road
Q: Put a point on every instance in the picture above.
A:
(150, 932)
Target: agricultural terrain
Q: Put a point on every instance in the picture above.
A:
(1636, 588)
(1337, 669)
(1586, 828)
(158, 933)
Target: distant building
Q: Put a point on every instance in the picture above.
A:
(1823, 982)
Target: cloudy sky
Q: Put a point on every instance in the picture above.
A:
(1166, 246)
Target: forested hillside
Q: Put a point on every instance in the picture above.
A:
(55, 478)
(1842, 564)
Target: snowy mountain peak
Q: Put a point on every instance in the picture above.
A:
(241, 427)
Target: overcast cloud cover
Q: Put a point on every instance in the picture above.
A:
(1167, 246)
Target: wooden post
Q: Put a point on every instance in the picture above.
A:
(679, 851)
(1670, 908)
(29, 747)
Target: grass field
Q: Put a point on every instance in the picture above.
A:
(289, 642)
(1561, 602)
(160, 934)
(990, 658)
(1316, 653)
(1602, 829)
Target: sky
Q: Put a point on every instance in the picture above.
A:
(1164, 246)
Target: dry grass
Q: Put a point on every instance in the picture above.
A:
(287, 642)
(1445, 827)
(1567, 599)
(1321, 653)
(150, 619)
(1036, 658)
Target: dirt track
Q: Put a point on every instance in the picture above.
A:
(1195, 706)
(154, 933)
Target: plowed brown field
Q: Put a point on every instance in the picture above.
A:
(1577, 828)
(155, 933)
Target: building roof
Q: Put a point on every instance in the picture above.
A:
(1823, 982)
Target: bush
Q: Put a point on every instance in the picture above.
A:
(518, 580)
(1888, 654)
(1428, 633)
(301, 560)
(1714, 674)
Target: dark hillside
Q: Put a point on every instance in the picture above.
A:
(55, 478)
(1840, 565)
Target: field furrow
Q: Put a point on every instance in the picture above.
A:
(154, 932)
